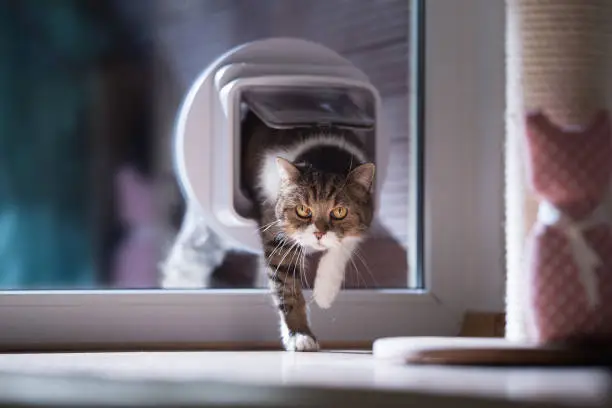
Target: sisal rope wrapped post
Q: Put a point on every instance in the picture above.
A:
(555, 64)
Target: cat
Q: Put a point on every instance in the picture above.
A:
(312, 192)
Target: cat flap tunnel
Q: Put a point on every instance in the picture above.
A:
(285, 83)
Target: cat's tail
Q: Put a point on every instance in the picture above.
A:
(194, 254)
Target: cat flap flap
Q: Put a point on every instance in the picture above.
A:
(284, 107)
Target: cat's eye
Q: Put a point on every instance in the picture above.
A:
(339, 213)
(303, 212)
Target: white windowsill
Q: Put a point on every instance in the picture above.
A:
(463, 260)
(270, 378)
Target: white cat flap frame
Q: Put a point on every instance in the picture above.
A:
(207, 133)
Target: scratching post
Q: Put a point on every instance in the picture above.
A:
(558, 172)
(556, 52)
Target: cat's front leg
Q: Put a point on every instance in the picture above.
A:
(284, 269)
(330, 272)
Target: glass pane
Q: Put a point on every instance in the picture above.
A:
(89, 93)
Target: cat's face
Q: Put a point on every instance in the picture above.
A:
(318, 210)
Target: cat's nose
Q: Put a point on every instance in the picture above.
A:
(319, 234)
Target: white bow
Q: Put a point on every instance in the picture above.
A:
(585, 257)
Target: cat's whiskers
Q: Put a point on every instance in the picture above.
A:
(291, 250)
(295, 265)
(350, 256)
(282, 260)
(269, 260)
(357, 271)
(266, 227)
(365, 264)
(278, 246)
(357, 274)
(303, 278)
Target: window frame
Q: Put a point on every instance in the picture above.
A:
(462, 240)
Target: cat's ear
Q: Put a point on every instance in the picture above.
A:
(363, 175)
(287, 170)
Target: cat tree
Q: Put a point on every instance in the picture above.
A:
(556, 92)
(556, 59)
(555, 64)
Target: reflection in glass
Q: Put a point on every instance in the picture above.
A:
(88, 95)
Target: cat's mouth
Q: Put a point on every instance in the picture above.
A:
(318, 247)
(310, 243)
(311, 247)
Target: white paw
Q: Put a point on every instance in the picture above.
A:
(301, 342)
(325, 293)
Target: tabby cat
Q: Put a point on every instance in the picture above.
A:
(313, 193)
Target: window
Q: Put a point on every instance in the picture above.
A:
(84, 148)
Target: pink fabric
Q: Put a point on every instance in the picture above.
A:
(570, 170)
(136, 258)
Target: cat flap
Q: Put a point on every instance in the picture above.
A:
(290, 107)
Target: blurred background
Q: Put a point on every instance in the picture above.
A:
(89, 90)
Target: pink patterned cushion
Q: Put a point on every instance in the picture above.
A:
(571, 171)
